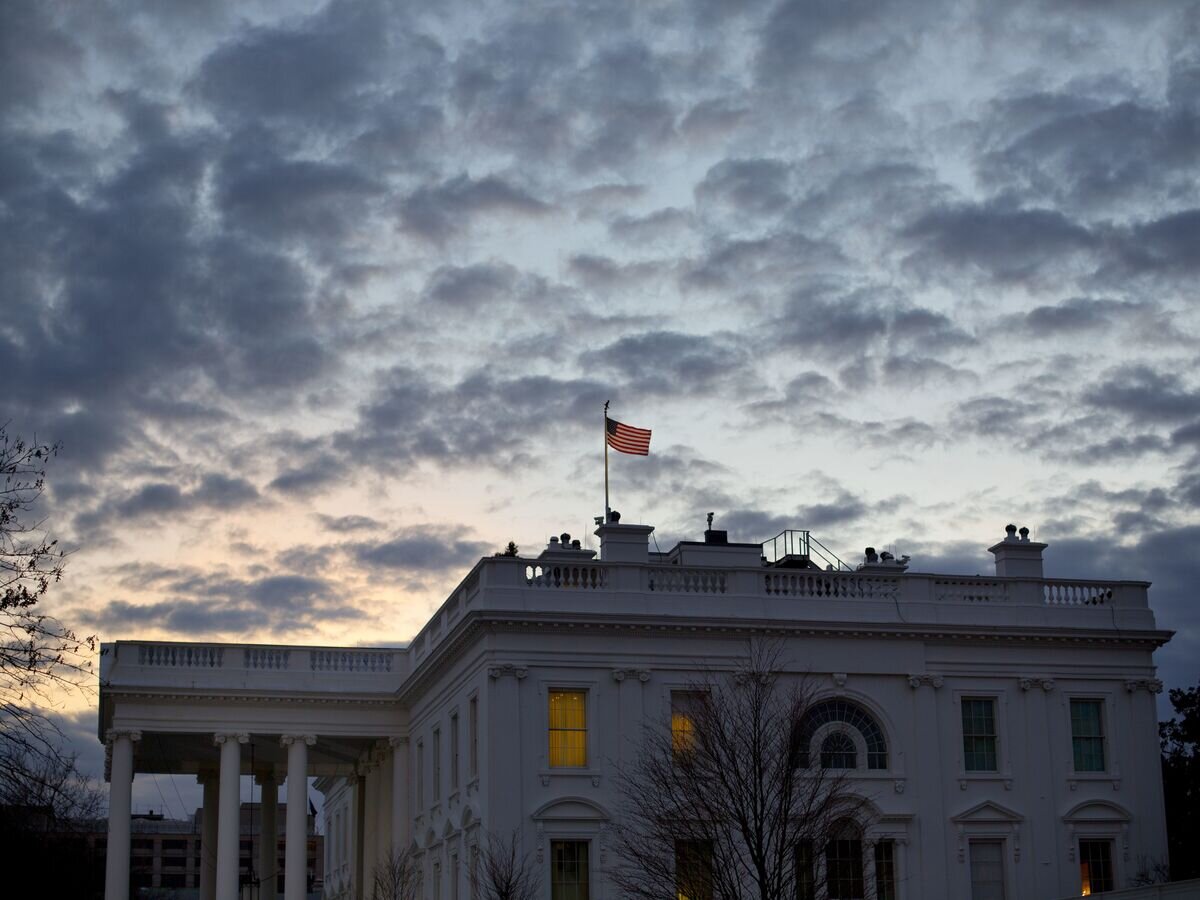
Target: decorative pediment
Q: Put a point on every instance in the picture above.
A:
(448, 829)
(989, 813)
(571, 809)
(1097, 811)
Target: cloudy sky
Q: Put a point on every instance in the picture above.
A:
(324, 300)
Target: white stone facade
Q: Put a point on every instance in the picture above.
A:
(431, 746)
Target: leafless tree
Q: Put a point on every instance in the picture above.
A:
(397, 877)
(504, 872)
(725, 802)
(39, 656)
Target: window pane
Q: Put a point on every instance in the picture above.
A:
(885, 871)
(693, 870)
(987, 870)
(806, 879)
(1095, 867)
(568, 870)
(568, 728)
(1087, 735)
(684, 711)
(838, 752)
(979, 734)
(844, 865)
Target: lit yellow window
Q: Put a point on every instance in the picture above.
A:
(685, 705)
(568, 728)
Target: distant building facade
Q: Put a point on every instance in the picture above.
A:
(1001, 731)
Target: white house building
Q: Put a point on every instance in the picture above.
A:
(1001, 729)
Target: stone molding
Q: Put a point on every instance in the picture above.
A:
(286, 740)
(933, 680)
(1028, 684)
(1153, 685)
(395, 742)
(112, 734)
(518, 672)
(222, 737)
(642, 675)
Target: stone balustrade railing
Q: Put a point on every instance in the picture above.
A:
(233, 657)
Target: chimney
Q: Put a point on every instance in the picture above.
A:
(1017, 556)
(624, 543)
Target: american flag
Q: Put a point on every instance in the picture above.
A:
(626, 438)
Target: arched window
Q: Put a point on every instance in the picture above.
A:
(844, 863)
(848, 713)
(838, 751)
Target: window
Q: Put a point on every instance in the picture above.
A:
(420, 774)
(979, 734)
(838, 752)
(885, 870)
(454, 868)
(1087, 735)
(849, 713)
(568, 870)
(568, 728)
(473, 736)
(437, 764)
(987, 870)
(685, 710)
(844, 864)
(454, 754)
(1095, 867)
(693, 870)
(806, 876)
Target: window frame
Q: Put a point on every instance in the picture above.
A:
(990, 699)
(701, 863)
(455, 736)
(472, 737)
(587, 871)
(999, 694)
(436, 763)
(683, 693)
(1110, 844)
(1101, 701)
(567, 687)
(1005, 876)
(420, 779)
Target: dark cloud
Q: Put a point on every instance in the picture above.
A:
(438, 211)
(997, 242)
(1077, 315)
(468, 288)
(342, 524)
(158, 500)
(420, 550)
(1144, 395)
(669, 362)
(754, 187)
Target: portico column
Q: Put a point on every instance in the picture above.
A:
(228, 813)
(370, 819)
(208, 837)
(120, 800)
(400, 818)
(383, 839)
(295, 841)
(268, 856)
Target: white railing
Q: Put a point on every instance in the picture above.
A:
(589, 577)
(350, 660)
(267, 658)
(970, 590)
(821, 585)
(1066, 593)
(673, 579)
(180, 656)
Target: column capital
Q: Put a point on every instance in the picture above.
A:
(224, 737)
(286, 740)
(395, 742)
(113, 733)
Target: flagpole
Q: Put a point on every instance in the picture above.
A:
(607, 511)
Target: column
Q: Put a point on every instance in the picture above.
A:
(268, 857)
(400, 817)
(120, 801)
(360, 818)
(383, 828)
(208, 838)
(370, 819)
(229, 813)
(295, 841)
